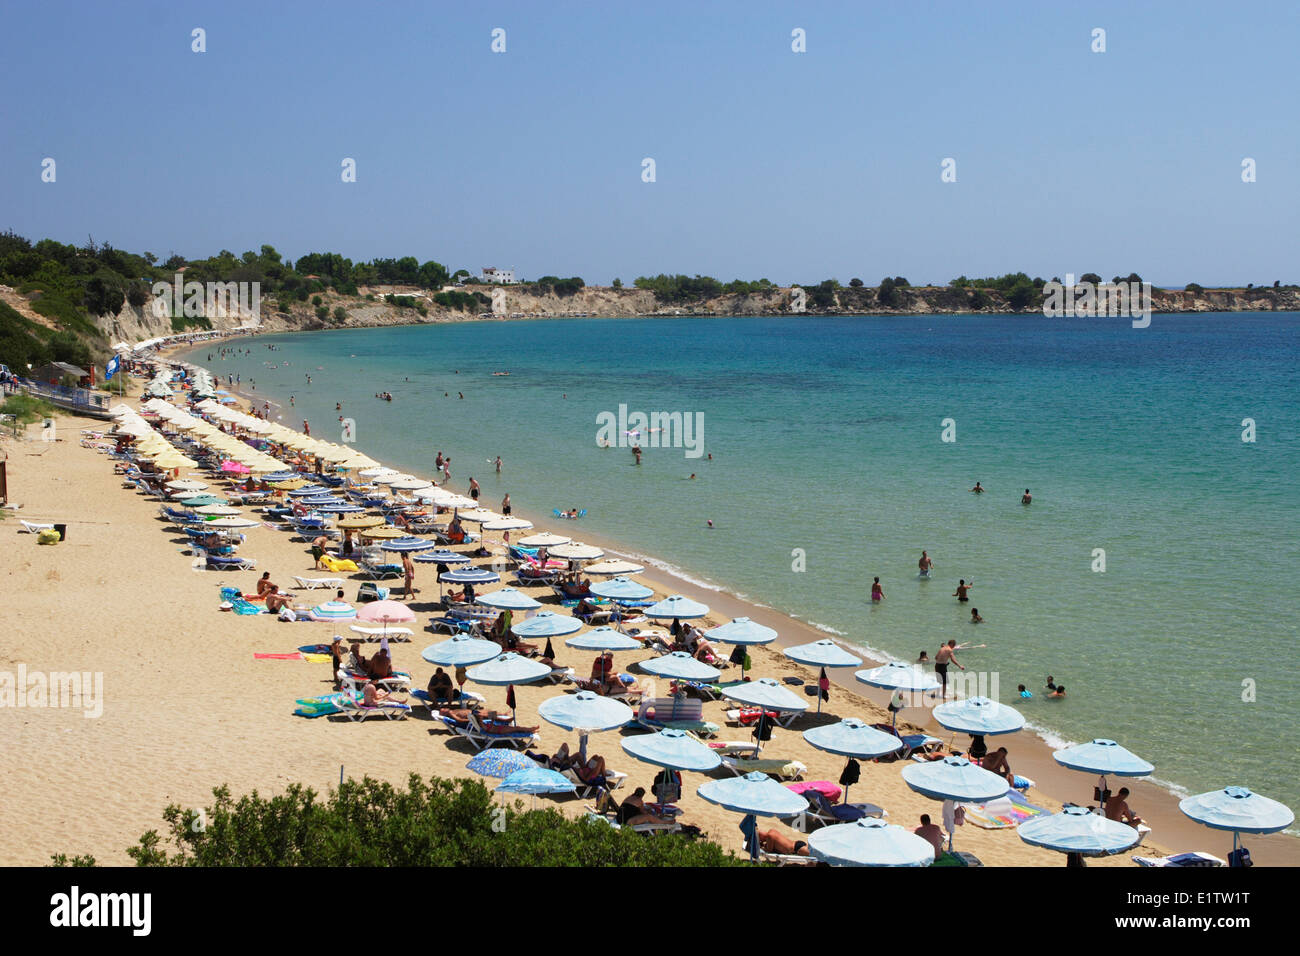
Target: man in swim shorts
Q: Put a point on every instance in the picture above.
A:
(962, 587)
(978, 489)
(925, 564)
(942, 659)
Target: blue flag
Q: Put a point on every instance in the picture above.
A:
(111, 368)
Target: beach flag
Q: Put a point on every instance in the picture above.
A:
(510, 697)
(111, 368)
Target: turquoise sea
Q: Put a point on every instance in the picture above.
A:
(826, 436)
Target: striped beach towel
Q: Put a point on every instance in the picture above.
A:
(1006, 811)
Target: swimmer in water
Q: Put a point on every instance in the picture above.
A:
(925, 564)
(709, 521)
(962, 587)
(877, 592)
(1025, 694)
(692, 474)
(1026, 498)
(975, 616)
(978, 489)
(1058, 693)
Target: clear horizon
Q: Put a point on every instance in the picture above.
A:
(769, 163)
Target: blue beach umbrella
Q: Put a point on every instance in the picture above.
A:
(954, 779)
(1079, 830)
(742, 631)
(979, 716)
(534, 780)
(680, 666)
(339, 508)
(676, 606)
(461, 651)
(585, 713)
(200, 500)
(1239, 810)
(509, 599)
(673, 749)
(499, 762)
(898, 676)
(870, 842)
(755, 795)
(1103, 757)
(546, 624)
(470, 576)
(333, 611)
(852, 738)
(603, 639)
(621, 589)
(508, 668)
(442, 557)
(822, 654)
(407, 545)
(767, 693)
(309, 491)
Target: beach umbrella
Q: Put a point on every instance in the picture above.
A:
(411, 545)
(621, 589)
(230, 522)
(186, 484)
(377, 472)
(680, 666)
(461, 651)
(543, 540)
(360, 522)
(509, 599)
(499, 762)
(546, 624)
(199, 500)
(339, 508)
(456, 502)
(613, 568)
(334, 611)
(508, 668)
(356, 460)
(677, 607)
(1239, 810)
(1103, 757)
(288, 484)
(673, 750)
(384, 533)
(603, 639)
(480, 515)
(470, 576)
(577, 551)
(755, 795)
(307, 491)
(869, 842)
(979, 717)
(389, 477)
(898, 676)
(408, 484)
(534, 780)
(386, 612)
(768, 693)
(234, 467)
(742, 630)
(506, 524)
(954, 780)
(442, 557)
(1079, 830)
(853, 738)
(586, 713)
(216, 511)
(824, 653)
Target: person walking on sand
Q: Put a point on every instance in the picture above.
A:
(962, 587)
(408, 573)
(942, 659)
(877, 592)
(925, 564)
(1026, 498)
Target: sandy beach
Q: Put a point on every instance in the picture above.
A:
(186, 706)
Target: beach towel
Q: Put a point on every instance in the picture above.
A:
(295, 656)
(1007, 811)
(238, 603)
(321, 706)
(317, 658)
(829, 790)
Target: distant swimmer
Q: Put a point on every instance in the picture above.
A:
(461, 394)
(709, 522)
(1026, 498)
(925, 564)
(978, 489)
(1058, 693)
(975, 616)
(498, 464)
(924, 658)
(1025, 694)
(1051, 682)
(692, 474)
(877, 592)
(962, 587)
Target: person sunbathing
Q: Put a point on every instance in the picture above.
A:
(440, 686)
(381, 665)
(774, 841)
(264, 585)
(456, 597)
(495, 724)
(356, 660)
(586, 608)
(1117, 809)
(275, 601)
(561, 759)
(996, 762)
(372, 696)
(632, 811)
(929, 831)
(593, 771)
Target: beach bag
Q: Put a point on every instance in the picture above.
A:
(48, 536)
(287, 614)
(1240, 857)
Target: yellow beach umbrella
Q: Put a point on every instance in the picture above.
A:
(388, 531)
(293, 484)
(173, 460)
(359, 522)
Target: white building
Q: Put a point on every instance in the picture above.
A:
(499, 276)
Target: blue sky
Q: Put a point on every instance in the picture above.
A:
(769, 163)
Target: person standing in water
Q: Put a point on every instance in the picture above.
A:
(877, 592)
(1026, 498)
(942, 659)
(962, 587)
(925, 564)
(473, 488)
(505, 505)
(978, 489)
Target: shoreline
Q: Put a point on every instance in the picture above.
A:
(1031, 753)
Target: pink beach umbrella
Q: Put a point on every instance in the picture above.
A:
(385, 613)
(235, 467)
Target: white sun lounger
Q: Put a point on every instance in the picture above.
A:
(1193, 859)
(356, 711)
(311, 584)
(35, 527)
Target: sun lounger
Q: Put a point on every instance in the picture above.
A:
(1193, 859)
(376, 570)
(352, 680)
(372, 634)
(483, 735)
(311, 584)
(676, 713)
(453, 625)
(821, 812)
(464, 698)
(772, 766)
(958, 858)
(613, 778)
(35, 527)
(355, 710)
(750, 715)
(216, 562)
(646, 828)
(913, 744)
